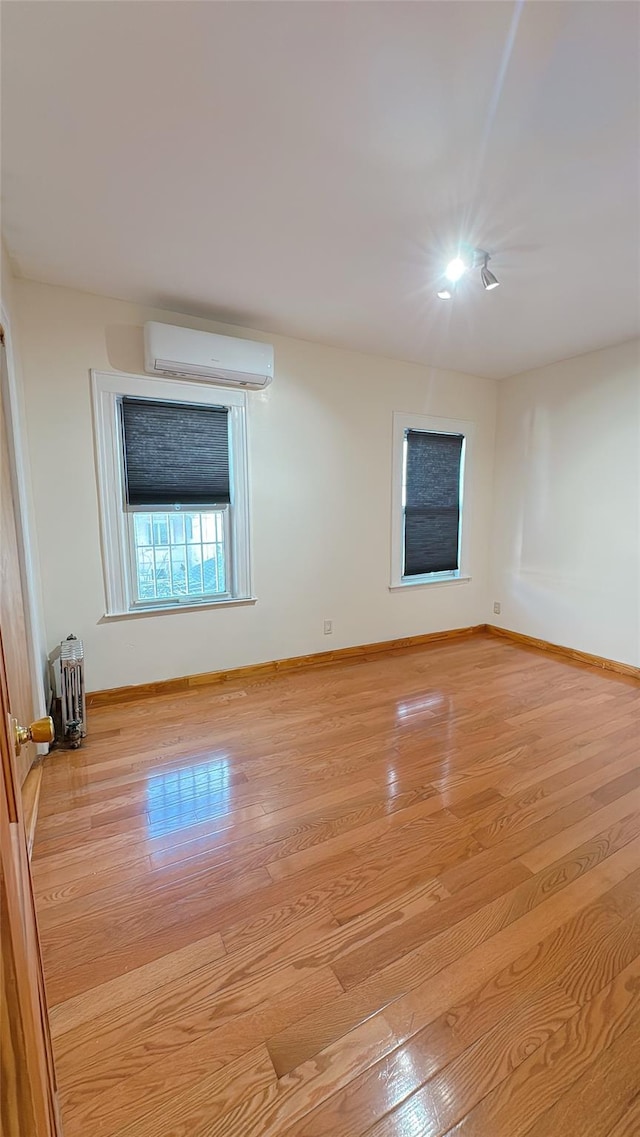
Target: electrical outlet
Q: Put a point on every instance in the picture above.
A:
(496, 607)
(328, 627)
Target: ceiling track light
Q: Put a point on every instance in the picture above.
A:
(489, 281)
(460, 265)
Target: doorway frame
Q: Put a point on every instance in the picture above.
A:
(27, 545)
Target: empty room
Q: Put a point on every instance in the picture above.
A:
(320, 568)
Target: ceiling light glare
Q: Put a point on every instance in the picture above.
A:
(444, 294)
(455, 269)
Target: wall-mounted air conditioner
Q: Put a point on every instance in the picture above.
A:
(169, 350)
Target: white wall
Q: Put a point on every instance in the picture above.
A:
(320, 444)
(566, 564)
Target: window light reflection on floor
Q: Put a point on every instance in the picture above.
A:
(420, 705)
(188, 796)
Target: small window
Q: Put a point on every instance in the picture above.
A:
(432, 502)
(173, 492)
(430, 456)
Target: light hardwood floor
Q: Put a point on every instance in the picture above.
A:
(398, 898)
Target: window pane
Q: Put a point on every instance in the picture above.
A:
(146, 574)
(160, 528)
(209, 526)
(163, 571)
(193, 527)
(194, 562)
(143, 528)
(176, 521)
(172, 560)
(210, 568)
(179, 570)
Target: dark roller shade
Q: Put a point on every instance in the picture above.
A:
(432, 509)
(175, 453)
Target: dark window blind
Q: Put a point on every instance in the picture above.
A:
(175, 453)
(432, 503)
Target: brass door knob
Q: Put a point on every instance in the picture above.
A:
(40, 731)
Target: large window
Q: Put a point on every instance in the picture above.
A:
(172, 468)
(430, 457)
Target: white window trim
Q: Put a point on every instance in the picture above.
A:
(401, 423)
(107, 388)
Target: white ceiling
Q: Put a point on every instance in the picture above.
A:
(306, 167)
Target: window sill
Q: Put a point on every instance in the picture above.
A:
(172, 609)
(437, 582)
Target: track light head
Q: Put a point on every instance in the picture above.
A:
(489, 281)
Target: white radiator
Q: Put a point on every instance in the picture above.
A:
(70, 681)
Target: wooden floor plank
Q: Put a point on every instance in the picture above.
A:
(598, 1102)
(626, 807)
(205, 1099)
(628, 1124)
(131, 985)
(287, 1104)
(459, 957)
(115, 1093)
(404, 1082)
(535, 1086)
(126, 1036)
(394, 897)
(483, 920)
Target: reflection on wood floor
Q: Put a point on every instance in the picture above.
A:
(398, 898)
